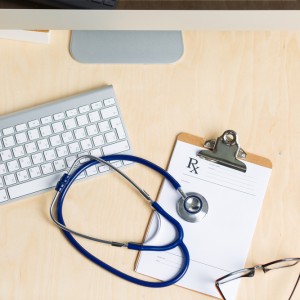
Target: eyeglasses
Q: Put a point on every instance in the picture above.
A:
(250, 272)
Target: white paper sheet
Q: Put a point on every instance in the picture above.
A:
(219, 243)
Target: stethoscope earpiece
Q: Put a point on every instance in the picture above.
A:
(192, 208)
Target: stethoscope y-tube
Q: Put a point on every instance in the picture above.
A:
(67, 180)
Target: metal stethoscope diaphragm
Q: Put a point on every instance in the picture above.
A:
(192, 208)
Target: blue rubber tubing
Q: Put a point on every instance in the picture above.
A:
(66, 182)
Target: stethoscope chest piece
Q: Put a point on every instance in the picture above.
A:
(192, 208)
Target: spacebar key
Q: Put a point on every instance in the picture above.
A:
(115, 148)
(33, 186)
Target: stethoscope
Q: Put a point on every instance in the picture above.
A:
(191, 207)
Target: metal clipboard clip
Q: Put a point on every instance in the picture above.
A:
(225, 150)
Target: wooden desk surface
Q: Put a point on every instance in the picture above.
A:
(246, 81)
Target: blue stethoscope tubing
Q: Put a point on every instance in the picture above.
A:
(65, 183)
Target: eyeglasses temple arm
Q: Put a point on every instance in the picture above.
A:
(219, 290)
(294, 288)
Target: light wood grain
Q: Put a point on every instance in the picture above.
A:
(246, 81)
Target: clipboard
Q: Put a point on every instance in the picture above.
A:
(219, 243)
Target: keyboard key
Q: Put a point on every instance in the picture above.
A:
(121, 132)
(67, 137)
(60, 164)
(70, 123)
(84, 109)
(79, 133)
(86, 144)
(81, 175)
(117, 163)
(37, 158)
(71, 112)
(8, 131)
(18, 151)
(35, 172)
(34, 185)
(98, 140)
(115, 148)
(6, 155)
(110, 137)
(33, 134)
(25, 162)
(91, 171)
(8, 141)
(21, 138)
(50, 154)
(47, 168)
(62, 151)
(82, 120)
(96, 152)
(21, 127)
(92, 130)
(2, 169)
(108, 102)
(59, 116)
(109, 112)
(85, 159)
(31, 147)
(117, 124)
(10, 179)
(70, 160)
(43, 144)
(74, 148)
(94, 116)
(96, 105)
(1, 183)
(127, 162)
(55, 140)
(46, 130)
(104, 126)
(12, 166)
(46, 120)
(34, 123)
(3, 196)
(57, 127)
(22, 175)
(103, 168)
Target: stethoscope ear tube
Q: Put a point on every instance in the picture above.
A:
(62, 190)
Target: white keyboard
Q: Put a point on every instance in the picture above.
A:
(39, 144)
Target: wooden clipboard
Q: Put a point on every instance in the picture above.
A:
(233, 202)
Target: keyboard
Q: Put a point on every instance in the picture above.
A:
(37, 145)
(83, 4)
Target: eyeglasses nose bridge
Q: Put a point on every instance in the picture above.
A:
(260, 267)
